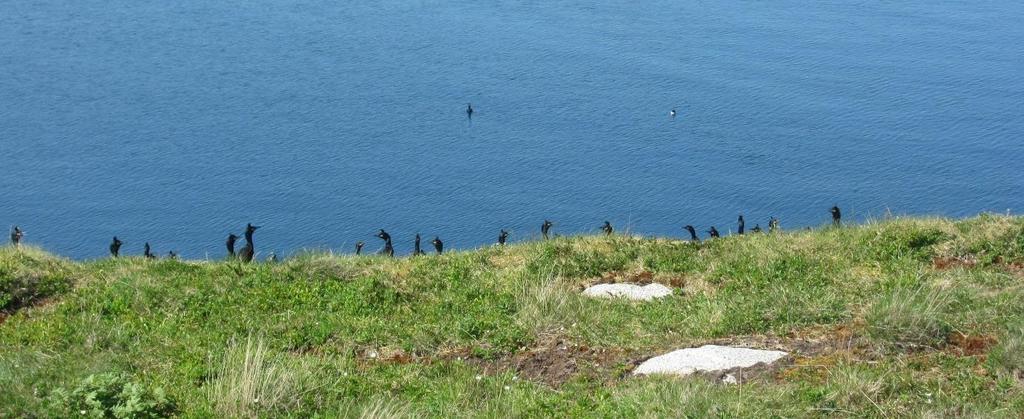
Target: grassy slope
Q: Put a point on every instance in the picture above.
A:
(354, 335)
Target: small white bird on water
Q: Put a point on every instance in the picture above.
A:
(673, 113)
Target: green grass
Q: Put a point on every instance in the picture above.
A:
(876, 316)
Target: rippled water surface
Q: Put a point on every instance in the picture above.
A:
(176, 122)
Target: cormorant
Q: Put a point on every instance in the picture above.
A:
(359, 248)
(249, 250)
(438, 245)
(693, 232)
(388, 248)
(756, 229)
(836, 215)
(232, 238)
(115, 247)
(502, 237)
(16, 236)
(773, 224)
(607, 228)
(172, 255)
(147, 253)
(713, 232)
(416, 246)
(741, 224)
(545, 228)
(469, 111)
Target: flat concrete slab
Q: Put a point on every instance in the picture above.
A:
(707, 358)
(628, 291)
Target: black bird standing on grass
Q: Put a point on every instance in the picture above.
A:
(115, 247)
(148, 254)
(607, 228)
(693, 232)
(232, 238)
(388, 248)
(249, 250)
(438, 245)
(773, 224)
(741, 224)
(416, 246)
(172, 255)
(713, 232)
(502, 237)
(359, 248)
(545, 228)
(836, 215)
(16, 235)
(756, 229)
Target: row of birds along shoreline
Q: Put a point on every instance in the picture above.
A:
(247, 252)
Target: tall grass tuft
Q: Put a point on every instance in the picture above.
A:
(910, 318)
(250, 380)
(1008, 357)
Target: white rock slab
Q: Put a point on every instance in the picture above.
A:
(708, 358)
(630, 291)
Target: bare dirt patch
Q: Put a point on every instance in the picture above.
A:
(951, 262)
(970, 345)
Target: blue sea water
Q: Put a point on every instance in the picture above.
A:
(177, 122)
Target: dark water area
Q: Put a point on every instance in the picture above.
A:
(178, 122)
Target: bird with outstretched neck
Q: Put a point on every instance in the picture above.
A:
(249, 250)
(416, 251)
(232, 238)
(739, 228)
(359, 248)
(502, 237)
(438, 245)
(16, 235)
(692, 231)
(147, 253)
(836, 215)
(545, 228)
(388, 250)
(115, 247)
(607, 228)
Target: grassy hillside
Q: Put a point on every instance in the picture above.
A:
(899, 317)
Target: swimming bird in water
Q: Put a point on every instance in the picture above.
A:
(232, 238)
(249, 250)
(147, 253)
(741, 224)
(115, 247)
(502, 237)
(773, 224)
(756, 229)
(469, 111)
(836, 215)
(673, 112)
(438, 245)
(545, 228)
(359, 248)
(713, 232)
(607, 228)
(388, 248)
(416, 246)
(693, 232)
(16, 235)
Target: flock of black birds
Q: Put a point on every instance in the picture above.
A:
(247, 252)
